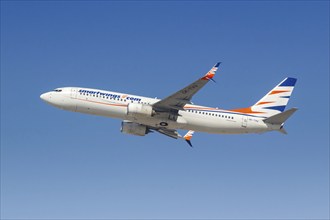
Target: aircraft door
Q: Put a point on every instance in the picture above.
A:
(73, 93)
(244, 121)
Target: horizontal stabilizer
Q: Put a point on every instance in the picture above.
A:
(281, 117)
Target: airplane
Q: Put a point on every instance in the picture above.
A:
(142, 115)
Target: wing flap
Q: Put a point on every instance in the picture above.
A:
(170, 133)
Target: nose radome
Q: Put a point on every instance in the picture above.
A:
(45, 97)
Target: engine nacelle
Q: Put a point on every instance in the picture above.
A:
(136, 109)
(133, 128)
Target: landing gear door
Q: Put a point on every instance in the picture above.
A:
(244, 121)
(73, 93)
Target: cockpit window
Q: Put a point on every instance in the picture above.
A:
(58, 90)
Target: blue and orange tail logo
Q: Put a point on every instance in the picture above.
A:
(274, 102)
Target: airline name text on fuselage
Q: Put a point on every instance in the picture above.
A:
(110, 95)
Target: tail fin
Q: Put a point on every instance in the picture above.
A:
(274, 101)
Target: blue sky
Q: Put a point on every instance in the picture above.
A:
(57, 164)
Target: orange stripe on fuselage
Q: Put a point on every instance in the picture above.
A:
(103, 103)
(199, 108)
(246, 111)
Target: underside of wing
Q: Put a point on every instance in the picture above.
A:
(178, 100)
(168, 132)
(174, 134)
(133, 128)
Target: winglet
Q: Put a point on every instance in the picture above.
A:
(188, 137)
(210, 74)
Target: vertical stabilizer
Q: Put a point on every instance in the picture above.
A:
(274, 101)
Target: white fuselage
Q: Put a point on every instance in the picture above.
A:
(193, 117)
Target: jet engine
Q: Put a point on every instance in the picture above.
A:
(137, 109)
(133, 128)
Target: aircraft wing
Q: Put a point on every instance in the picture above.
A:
(175, 134)
(168, 132)
(178, 100)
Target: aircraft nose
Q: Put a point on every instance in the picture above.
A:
(45, 96)
(42, 96)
